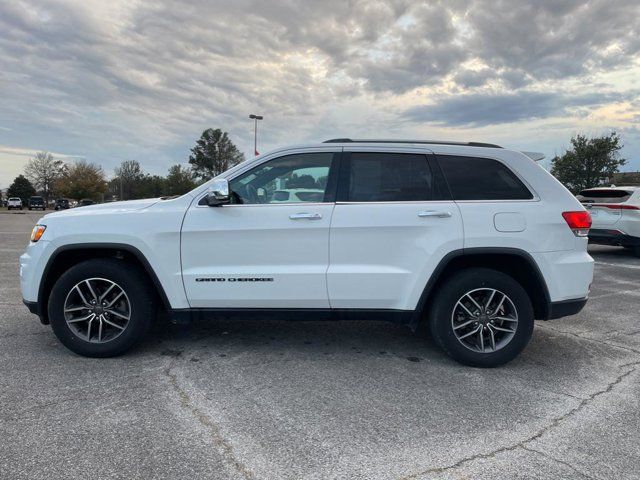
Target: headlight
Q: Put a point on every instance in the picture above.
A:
(37, 232)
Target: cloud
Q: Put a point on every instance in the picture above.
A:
(479, 109)
(142, 78)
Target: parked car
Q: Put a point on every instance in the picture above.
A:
(61, 204)
(14, 203)
(35, 203)
(474, 240)
(85, 202)
(616, 216)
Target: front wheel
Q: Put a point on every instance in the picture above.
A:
(101, 307)
(481, 317)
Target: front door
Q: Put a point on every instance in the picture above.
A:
(270, 247)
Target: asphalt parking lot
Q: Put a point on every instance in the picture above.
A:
(278, 400)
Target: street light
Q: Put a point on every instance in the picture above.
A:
(255, 119)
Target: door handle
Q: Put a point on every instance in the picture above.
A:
(433, 213)
(307, 216)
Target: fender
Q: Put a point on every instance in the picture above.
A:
(446, 260)
(100, 246)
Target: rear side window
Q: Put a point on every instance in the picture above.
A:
(472, 178)
(386, 177)
(604, 195)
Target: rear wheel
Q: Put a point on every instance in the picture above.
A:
(481, 317)
(101, 307)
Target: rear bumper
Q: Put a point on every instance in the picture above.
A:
(566, 308)
(612, 237)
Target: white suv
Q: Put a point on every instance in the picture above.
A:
(616, 216)
(14, 202)
(473, 240)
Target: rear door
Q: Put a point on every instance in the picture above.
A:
(392, 224)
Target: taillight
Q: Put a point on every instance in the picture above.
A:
(579, 222)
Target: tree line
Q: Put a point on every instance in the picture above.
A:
(589, 162)
(52, 178)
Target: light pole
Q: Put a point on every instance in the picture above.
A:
(255, 119)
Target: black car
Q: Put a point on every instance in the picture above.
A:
(85, 202)
(36, 203)
(62, 204)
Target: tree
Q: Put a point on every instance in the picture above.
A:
(589, 163)
(213, 154)
(128, 175)
(179, 181)
(82, 180)
(44, 171)
(22, 188)
(150, 186)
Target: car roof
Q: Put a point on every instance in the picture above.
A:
(413, 142)
(631, 187)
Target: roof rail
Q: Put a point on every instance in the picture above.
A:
(433, 142)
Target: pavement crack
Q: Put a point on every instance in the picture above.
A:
(561, 462)
(542, 431)
(187, 404)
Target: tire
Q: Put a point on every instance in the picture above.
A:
(636, 251)
(446, 312)
(137, 304)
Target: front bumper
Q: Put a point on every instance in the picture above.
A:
(566, 308)
(612, 237)
(34, 307)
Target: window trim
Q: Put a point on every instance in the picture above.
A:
(534, 195)
(344, 182)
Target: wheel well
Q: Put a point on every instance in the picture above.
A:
(517, 266)
(65, 259)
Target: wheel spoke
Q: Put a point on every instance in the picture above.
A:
(474, 302)
(82, 297)
(467, 310)
(468, 334)
(114, 300)
(492, 338)
(93, 294)
(106, 292)
(486, 305)
(109, 322)
(100, 328)
(505, 319)
(500, 329)
(89, 328)
(74, 309)
(462, 325)
(82, 319)
(481, 338)
(504, 297)
(118, 314)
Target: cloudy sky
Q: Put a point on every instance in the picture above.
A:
(137, 79)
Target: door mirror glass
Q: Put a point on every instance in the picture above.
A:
(218, 193)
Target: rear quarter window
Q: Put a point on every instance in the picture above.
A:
(474, 178)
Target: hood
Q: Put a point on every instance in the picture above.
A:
(109, 207)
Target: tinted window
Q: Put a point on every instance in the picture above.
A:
(471, 178)
(388, 177)
(288, 179)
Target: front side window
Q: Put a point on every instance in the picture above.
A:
(472, 178)
(300, 178)
(387, 177)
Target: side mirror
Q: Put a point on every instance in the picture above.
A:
(219, 193)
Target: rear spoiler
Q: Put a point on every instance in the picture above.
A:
(535, 156)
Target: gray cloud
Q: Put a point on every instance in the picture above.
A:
(479, 109)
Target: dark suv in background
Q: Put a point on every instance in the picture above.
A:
(61, 204)
(36, 203)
